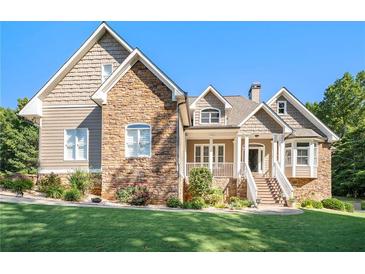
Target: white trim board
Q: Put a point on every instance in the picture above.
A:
(269, 111)
(210, 88)
(332, 137)
(67, 170)
(34, 106)
(100, 96)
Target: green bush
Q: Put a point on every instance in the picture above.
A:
(187, 205)
(333, 203)
(220, 205)
(236, 202)
(349, 207)
(72, 194)
(317, 204)
(214, 196)
(134, 195)
(307, 203)
(55, 192)
(200, 181)
(17, 185)
(363, 205)
(48, 181)
(197, 203)
(173, 202)
(80, 180)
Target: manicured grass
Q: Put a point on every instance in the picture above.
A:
(56, 228)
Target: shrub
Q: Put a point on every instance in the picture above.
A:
(349, 207)
(173, 202)
(214, 196)
(220, 205)
(363, 205)
(50, 180)
(134, 195)
(307, 203)
(200, 181)
(17, 185)
(317, 204)
(55, 192)
(333, 203)
(72, 194)
(80, 180)
(236, 202)
(187, 205)
(197, 203)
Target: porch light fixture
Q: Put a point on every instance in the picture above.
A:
(256, 135)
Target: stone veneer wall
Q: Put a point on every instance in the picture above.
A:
(140, 97)
(318, 188)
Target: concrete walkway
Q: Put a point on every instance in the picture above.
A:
(37, 198)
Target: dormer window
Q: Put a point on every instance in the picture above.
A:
(210, 116)
(106, 71)
(281, 107)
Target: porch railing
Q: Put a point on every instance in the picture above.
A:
(283, 181)
(251, 185)
(219, 169)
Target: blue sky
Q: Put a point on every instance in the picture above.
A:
(305, 57)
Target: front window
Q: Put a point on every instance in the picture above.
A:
(302, 153)
(106, 71)
(76, 144)
(281, 107)
(210, 116)
(288, 157)
(138, 140)
(202, 153)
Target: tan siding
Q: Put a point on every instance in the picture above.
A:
(228, 147)
(209, 100)
(294, 118)
(302, 171)
(85, 77)
(261, 122)
(54, 122)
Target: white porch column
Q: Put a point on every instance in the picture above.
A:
(282, 152)
(211, 154)
(274, 152)
(247, 143)
(186, 155)
(238, 156)
(235, 175)
(311, 159)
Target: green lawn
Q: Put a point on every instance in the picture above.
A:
(56, 228)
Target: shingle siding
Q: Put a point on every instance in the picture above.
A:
(294, 118)
(85, 77)
(261, 122)
(208, 101)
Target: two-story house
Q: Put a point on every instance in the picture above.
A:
(110, 110)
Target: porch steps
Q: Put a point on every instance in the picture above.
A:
(269, 191)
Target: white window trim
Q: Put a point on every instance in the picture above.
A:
(102, 71)
(304, 148)
(125, 141)
(202, 153)
(311, 151)
(285, 107)
(76, 141)
(291, 151)
(210, 117)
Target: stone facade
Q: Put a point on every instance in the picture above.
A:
(318, 188)
(140, 97)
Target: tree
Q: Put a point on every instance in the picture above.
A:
(18, 141)
(343, 110)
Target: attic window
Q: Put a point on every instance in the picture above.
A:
(281, 107)
(106, 71)
(210, 116)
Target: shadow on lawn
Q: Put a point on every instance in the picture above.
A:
(52, 228)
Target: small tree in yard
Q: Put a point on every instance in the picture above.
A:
(200, 181)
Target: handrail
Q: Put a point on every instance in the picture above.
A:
(283, 181)
(251, 185)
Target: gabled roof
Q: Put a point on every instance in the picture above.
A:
(263, 106)
(100, 96)
(210, 88)
(332, 137)
(34, 106)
